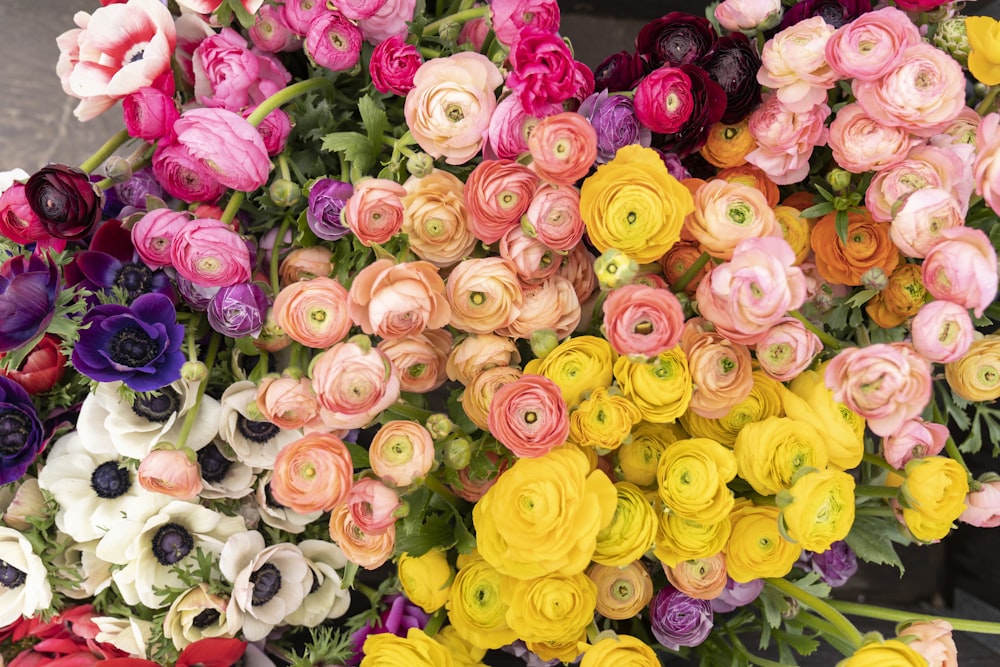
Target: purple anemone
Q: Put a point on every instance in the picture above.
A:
(111, 262)
(21, 436)
(29, 287)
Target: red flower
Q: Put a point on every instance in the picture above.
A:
(216, 652)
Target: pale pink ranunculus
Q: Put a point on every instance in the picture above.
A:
(871, 45)
(287, 402)
(728, 212)
(922, 95)
(390, 20)
(172, 472)
(153, 233)
(787, 349)
(497, 194)
(334, 42)
(449, 107)
(374, 211)
(924, 214)
(270, 33)
(534, 261)
(915, 439)
(986, 168)
(886, 383)
(401, 452)
(962, 267)
(421, 360)
(860, 143)
(529, 416)
(298, 14)
(785, 139)
(942, 331)
(113, 52)
(355, 382)
(372, 505)
(506, 136)
(959, 132)
(210, 254)
(395, 301)
(721, 370)
(748, 15)
(793, 63)
(642, 320)
(240, 162)
(149, 113)
(510, 17)
(983, 505)
(934, 641)
(553, 216)
(228, 74)
(551, 305)
(752, 292)
(925, 166)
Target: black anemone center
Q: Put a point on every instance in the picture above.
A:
(133, 347)
(15, 428)
(171, 543)
(266, 583)
(269, 498)
(205, 618)
(110, 480)
(259, 432)
(314, 586)
(134, 278)
(157, 406)
(10, 576)
(214, 465)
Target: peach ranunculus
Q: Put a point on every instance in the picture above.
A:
(642, 320)
(563, 147)
(313, 312)
(578, 268)
(115, 51)
(479, 392)
(787, 349)
(920, 219)
(942, 331)
(793, 62)
(374, 211)
(752, 292)
(420, 360)
(726, 213)
(534, 261)
(933, 641)
(449, 107)
(172, 472)
(552, 305)
(306, 263)
(313, 474)
(372, 505)
(478, 352)
(369, 550)
(287, 402)
(786, 139)
(868, 246)
(485, 295)
(861, 143)
(394, 301)
(529, 416)
(756, 178)
(962, 267)
(987, 162)
(435, 219)
(497, 193)
(721, 370)
(354, 382)
(871, 45)
(886, 383)
(402, 451)
(554, 216)
(699, 578)
(916, 438)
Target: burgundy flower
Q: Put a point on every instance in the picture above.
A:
(675, 39)
(834, 12)
(681, 104)
(67, 204)
(733, 65)
(619, 71)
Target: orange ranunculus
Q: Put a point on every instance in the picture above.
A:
(313, 474)
(313, 312)
(728, 145)
(901, 299)
(868, 247)
(754, 176)
(369, 550)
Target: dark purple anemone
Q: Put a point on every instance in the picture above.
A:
(326, 200)
(138, 344)
(21, 434)
(29, 287)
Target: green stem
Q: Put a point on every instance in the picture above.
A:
(843, 626)
(457, 17)
(867, 491)
(429, 53)
(881, 613)
(881, 510)
(878, 461)
(192, 414)
(984, 106)
(407, 411)
(286, 95)
(745, 652)
(692, 271)
(435, 485)
(826, 631)
(276, 254)
(233, 206)
(104, 152)
(436, 621)
(828, 340)
(949, 444)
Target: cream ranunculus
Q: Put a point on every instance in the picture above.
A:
(24, 585)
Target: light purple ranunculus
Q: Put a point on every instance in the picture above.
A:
(326, 200)
(238, 310)
(836, 565)
(613, 116)
(679, 620)
(737, 595)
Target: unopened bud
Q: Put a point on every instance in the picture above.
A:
(194, 371)
(543, 341)
(615, 269)
(439, 426)
(118, 169)
(450, 30)
(420, 165)
(839, 179)
(284, 192)
(875, 279)
(457, 453)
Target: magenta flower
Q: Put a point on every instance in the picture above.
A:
(29, 287)
(393, 65)
(397, 619)
(240, 162)
(333, 42)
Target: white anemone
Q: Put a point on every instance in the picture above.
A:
(24, 584)
(255, 442)
(326, 598)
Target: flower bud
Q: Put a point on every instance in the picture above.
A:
(839, 179)
(439, 425)
(194, 371)
(543, 341)
(450, 30)
(420, 165)
(950, 36)
(171, 472)
(457, 453)
(284, 192)
(118, 169)
(875, 279)
(27, 502)
(614, 269)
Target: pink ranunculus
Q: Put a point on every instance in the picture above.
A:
(551, 305)
(663, 100)
(886, 383)
(389, 20)
(752, 292)
(497, 194)
(372, 505)
(210, 254)
(374, 211)
(942, 331)
(333, 41)
(113, 52)
(922, 95)
(510, 17)
(354, 383)
(273, 130)
(529, 416)
(184, 176)
(748, 15)
(793, 62)
(534, 261)
(224, 71)
(359, 9)
(871, 45)
(149, 114)
(554, 216)
(393, 65)
(860, 143)
(916, 438)
(240, 162)
(987, 163)
(787, 349)
(506, 137)
(298, 14)
(983, 506)
(420, 360)
(785, 140)
(543, 71)
(919, 222)
(917, 6)
(642, 320)
(934, 641)
(398, 300)
(154, 232)
(19, 223)
(962, 267)
(474, 33)
(926, 166)
(270, 33)
(172, 472)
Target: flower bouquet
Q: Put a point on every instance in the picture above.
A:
(388, 333)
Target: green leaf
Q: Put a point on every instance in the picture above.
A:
(869, 538)
(374, 119)
(457, 414)
(417, 540)
(800, 643)
(818, 210)
(842, 223)
(774, 605)
(359, 455)
(354, 147)
(860, 298)
(245, 18)
(465, 541)
(826, 194)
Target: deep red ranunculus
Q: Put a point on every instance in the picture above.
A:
(67, 204)
(675, 39)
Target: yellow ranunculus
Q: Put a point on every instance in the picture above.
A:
(476, 607)
(679, 539)
(638, 458)
(984, 42)
(463, 654)
(631, 531)
(622, 592)
(756, 548)
(764, 401)
(578, 365)
(843, 430)
(603, 420)
(634, 205)
(554, 608)
(795, 229)
(976, 376)
(934, 494)
(770, 452)
(660, 388)
(822, 509)
(567, 651)
(891, 653)
(692, 477)
(620, 651)
(416, 649)
(543, 515)
(425, 579)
